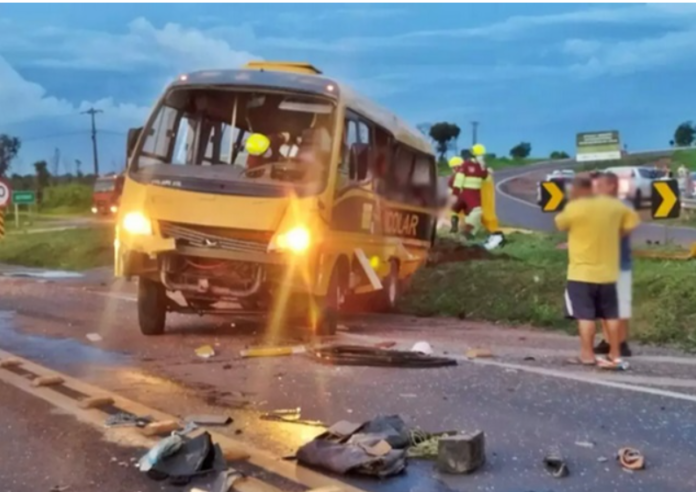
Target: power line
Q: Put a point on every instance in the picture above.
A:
(92, 112)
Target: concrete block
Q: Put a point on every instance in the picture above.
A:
(47, 381)
(461, 453)
(6, 363)
(96, 402)
(162, 428)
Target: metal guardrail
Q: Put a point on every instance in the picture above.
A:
(688, 203)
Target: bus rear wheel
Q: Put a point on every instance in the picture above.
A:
(152, 307)
(323, 312)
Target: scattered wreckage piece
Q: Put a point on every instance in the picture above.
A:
(357, 355)
(161, 428)
(461, 453)
(555, 465)
(631, 459)
(273, 351)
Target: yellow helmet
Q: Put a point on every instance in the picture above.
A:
(478, 150)
(257, 144)
(456, 161)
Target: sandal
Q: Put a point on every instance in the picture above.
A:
(577, 361)
(631, 459)
(612, 364)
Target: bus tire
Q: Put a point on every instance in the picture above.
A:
(388, 298)
(323, 316)
(152, 307)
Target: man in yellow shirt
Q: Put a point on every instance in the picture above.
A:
(595, 224)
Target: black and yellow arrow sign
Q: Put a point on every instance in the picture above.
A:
(665, 199)
(552, 196)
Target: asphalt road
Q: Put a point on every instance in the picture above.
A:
(517, 212)
(43, 451)
(525, 407)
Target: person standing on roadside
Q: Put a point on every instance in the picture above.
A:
(608, 184)
(595, 224)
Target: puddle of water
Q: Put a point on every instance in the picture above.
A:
(46, 274)
(57, 352)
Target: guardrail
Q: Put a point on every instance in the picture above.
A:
(688, 203)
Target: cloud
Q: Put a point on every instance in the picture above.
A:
(142, 45)
(23, 101)
(626, 57)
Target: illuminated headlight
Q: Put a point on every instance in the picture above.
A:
(296, 240)
(94, 210)
(137, 224)
(113, 209)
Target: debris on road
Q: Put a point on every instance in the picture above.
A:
(94, 337)
(422, 348)
(585, 444)
(291, 416)
(631, 459)
(124, 419)
(478, 353)
(273, 351)
(179, 458)
(461, 453)
(386, 436)
(209, 419)
(161, 428)
(356, 355)
(60, 488)
(385, 345)
(555, 464)
(205, 352)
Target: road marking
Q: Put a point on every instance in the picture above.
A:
(257, 457)
(597, 379)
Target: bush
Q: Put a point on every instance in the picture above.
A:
(72, 196)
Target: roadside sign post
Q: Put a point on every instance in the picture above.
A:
(553, 196)
(5, 196)
(665, 201)
(22, 197)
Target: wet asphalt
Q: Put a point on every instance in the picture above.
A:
(523, 415)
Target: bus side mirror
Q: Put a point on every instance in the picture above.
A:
(133, 135)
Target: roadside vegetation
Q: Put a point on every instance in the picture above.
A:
(523, 283)
(74, 249)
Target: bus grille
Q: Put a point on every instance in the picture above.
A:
(191, 236)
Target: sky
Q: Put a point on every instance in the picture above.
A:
(527, 72)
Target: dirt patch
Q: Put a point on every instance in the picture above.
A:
(449, 251)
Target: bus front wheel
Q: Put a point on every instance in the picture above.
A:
(152, 307)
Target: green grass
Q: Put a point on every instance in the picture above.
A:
(686, 157)
(524, 284)
(495, 163)
(75, 249)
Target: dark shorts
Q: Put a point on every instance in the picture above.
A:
(587, 301)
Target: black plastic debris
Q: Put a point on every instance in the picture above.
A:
(356, 355)
(196, 456)
(555, 464)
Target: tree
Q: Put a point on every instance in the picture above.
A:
(521, 150)
(684, 134)
(558, 154)
(671, 143)
(43, 177)
(444, 134)
(9, 148)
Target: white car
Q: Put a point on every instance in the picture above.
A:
(635, 183)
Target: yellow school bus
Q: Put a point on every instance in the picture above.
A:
(343, 203)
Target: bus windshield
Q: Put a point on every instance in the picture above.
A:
(210, 131)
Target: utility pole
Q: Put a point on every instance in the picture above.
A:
(474, 132)
(56, 164)
(92, 112)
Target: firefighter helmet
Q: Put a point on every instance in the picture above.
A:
(456, 161)
(257, 144)
(478, 150)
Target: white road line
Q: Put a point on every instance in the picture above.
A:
(541, 371)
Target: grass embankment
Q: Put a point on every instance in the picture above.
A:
(75, 249)
(524, 282)
(494, 163)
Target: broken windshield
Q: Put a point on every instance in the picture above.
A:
(249, 136)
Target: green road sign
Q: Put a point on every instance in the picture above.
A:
(598, 146)
(23, 197)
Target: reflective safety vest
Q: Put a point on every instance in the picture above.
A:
(470, 176)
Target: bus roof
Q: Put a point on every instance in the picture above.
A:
(303, 77)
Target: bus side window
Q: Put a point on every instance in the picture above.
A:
(399, 175)
(422, 184)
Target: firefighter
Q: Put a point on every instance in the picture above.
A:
(263, 149)
(469, 180)
(455, 178)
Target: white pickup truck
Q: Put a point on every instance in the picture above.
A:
(635, 183)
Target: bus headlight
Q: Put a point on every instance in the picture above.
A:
(296, 240)
(113, 209)
(137, 224)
